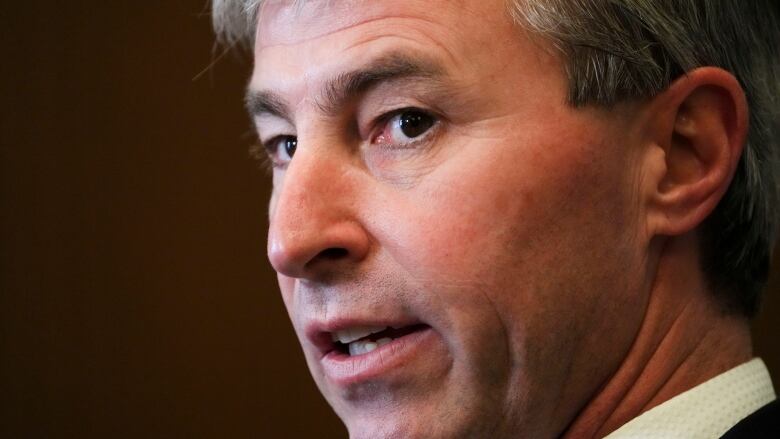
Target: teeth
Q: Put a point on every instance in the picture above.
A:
(365, 346)
(383, 341)
(346, 336)
(361, 347)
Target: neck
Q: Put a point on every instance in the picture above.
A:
(685, 339)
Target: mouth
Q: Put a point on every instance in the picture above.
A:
(357, 341)
(355, 353)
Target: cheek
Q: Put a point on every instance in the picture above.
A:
(537, 231)
(471, 213)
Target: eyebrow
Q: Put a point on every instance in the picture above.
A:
(346, 86)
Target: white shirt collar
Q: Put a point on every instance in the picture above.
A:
(708, 410)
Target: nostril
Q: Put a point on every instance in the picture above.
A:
(333, 253)
(315, 247)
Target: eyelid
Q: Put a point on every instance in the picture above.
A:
(271, 143)
(269, 127)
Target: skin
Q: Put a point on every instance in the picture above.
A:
(551, 250)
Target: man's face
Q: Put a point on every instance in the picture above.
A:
(441, 186)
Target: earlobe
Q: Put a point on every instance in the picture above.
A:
(698, 129)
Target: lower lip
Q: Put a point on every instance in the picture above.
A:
(344, 370)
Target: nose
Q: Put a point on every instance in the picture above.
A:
(314, 226)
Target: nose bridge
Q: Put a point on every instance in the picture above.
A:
(312, 222)
(303, 192)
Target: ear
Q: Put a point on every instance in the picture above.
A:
(696, 131)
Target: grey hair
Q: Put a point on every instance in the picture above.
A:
(618, 50)
(234, 21)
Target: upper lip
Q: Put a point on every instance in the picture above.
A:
(319, 333)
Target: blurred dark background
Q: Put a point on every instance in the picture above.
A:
(135, 297)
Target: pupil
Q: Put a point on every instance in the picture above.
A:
(414, 123)
(289, 146)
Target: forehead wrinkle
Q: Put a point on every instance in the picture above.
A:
(260, 36)
(276, 25)
(448, 55)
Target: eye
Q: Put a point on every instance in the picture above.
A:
(281, 149)
(406, 128)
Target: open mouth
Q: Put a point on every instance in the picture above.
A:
(362, 340)
(353, 352)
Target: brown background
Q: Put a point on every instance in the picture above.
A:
(135, 298)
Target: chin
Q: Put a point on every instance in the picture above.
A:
(429, 420)
(403, 429)
(380, 430)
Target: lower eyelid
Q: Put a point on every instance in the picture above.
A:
(426, 137)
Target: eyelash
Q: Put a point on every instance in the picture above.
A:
(271, 146)
(260, 153)
(385, 119)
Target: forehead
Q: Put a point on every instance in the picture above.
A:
(285, 22)
(301, 41)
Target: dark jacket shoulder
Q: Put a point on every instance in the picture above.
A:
(762, 424)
